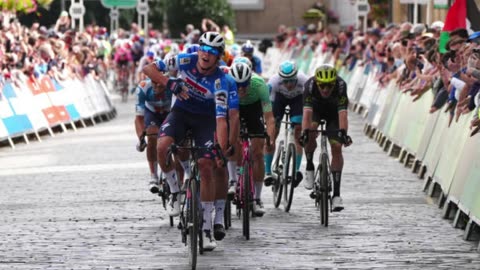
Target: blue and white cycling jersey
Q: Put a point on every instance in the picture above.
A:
(257, 65)
(147, 98)
(208, 94)
(233, 100)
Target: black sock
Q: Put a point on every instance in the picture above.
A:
(310, 166)
(337, 178)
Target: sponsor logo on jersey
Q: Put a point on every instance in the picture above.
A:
(218, 84)
(197, 88)
(184, 61)
(165, 125)
(221, 98)
(143, 83)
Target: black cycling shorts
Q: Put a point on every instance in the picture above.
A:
(252, 116)
(296, 108)
(331, 116)
(203, 127)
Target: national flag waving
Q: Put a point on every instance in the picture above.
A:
(462, 14)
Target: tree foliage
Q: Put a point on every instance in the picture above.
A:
(183, 12)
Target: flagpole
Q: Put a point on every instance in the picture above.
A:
(415, 11)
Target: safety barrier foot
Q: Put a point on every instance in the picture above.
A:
(25, 137)
(388, 145)
(366, 129)
(461, 219)
(10, 141)
(426, 184)
(364, 113)
(442, 198)
(434, 190)
(409, 160)
(372, 132)
(394, 151)
(360, 110)
(422, 171)
(417, 164)
(402, 155)
(383, 141)
(449, 209)
(472, 231)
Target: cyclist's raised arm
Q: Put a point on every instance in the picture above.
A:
(152, 71)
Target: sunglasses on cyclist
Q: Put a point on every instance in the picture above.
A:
(243, 84)
(285, 81)
(209, 50)
(325, 86)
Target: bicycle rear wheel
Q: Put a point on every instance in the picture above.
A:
(324, 201)
(290, 169)
(193, 224)
(227, 214)
(246, 200)
(277, 185)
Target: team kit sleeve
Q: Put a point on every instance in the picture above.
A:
(272, 87)
(264, 96)
(307, 95)
(221, 93)
(233, 99)
(141, 98)
(343, 98)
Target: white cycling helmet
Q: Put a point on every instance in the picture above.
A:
(288, 70)
(241, 72)
(213, 39)
(242, 59)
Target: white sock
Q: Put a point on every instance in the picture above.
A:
(258, 190)
(232, 170)
(207, 215)
(186, 168)
(172, 181)
(219, 208)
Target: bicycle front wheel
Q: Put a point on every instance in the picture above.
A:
(227, 214)
(277, 186)
(246, 200)
(193, 224)
(324, 197)
(290, 174)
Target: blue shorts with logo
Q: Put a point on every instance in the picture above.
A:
(203, 127)
(154, 118)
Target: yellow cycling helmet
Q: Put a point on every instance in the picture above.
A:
(325, 74)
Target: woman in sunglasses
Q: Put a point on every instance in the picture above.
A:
(286, 89)
(325, 97)
(255, 112)
(201, 106)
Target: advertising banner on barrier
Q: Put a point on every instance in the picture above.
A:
(15, 123)
(453, 142)
(40, 88)
(63, 96)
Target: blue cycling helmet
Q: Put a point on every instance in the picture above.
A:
(288, 70)
(150, 53)
(193, 48)
(247, 47)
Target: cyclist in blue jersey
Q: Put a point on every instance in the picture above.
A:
(247, 51)
(201, 106)
(153, 106)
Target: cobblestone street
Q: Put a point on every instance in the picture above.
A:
(80, 200)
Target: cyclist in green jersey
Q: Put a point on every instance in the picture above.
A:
(255, 112)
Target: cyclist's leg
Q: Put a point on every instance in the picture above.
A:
(337, 157)
(278, 108)
(296, 114)
(152, 123)
(203, 135)
(310, 147)
(172, 128)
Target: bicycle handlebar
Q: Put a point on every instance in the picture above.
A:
(216, 149)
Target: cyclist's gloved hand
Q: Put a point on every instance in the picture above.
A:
(303, 138)
(346, 140)
(176, 85)
(141, 145)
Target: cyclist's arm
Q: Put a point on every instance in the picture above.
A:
(233, 112)
(140, 110)
(343, 106)
(307, 108)
(154, 74)
(266, 107)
